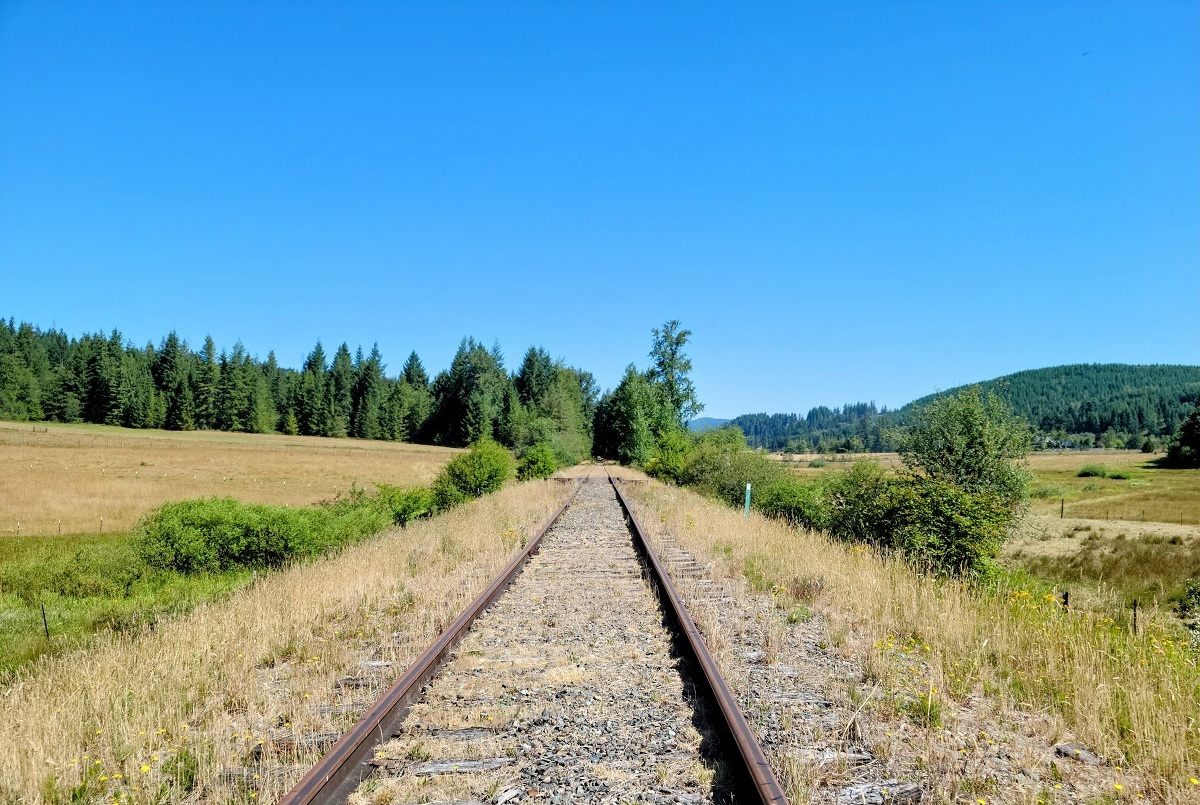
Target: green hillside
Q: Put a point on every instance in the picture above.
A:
(1115, 404)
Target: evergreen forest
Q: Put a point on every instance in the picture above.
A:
(46, 375)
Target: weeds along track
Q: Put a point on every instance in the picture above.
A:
(578, 684)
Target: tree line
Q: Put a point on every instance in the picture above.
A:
(46, 375)
(1081, 405)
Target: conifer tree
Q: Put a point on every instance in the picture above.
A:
(208, 377)
(414, 372)
(367, 396)
(19, 393)
(535, 376)
(62, 401)
(341, 382)
(313, 401)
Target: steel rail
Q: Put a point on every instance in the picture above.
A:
(340, 771)
(736, 731)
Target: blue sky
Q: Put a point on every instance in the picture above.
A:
(844, 201)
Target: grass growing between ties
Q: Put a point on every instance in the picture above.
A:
(931, 645)
(157, 716)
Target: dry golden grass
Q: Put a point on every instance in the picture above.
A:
(224, 682)
(1148, 494)
(1133, 699)
(71, 478)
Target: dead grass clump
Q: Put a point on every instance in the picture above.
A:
(157, 716)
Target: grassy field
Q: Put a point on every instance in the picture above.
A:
(1146, 493)
(88, 479)
(73, 477)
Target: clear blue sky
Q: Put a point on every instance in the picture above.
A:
(844, 201)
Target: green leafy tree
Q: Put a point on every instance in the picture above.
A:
(964, 484)
(668, 459)
(62, 398)
(469, 396)
(671, 367)
(971, 440)
(173, 381)
(19, 393)
(629, 419)
(1185, 449)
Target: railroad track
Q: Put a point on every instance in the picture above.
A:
(576, 676)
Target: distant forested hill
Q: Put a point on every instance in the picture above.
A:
(1116, 405)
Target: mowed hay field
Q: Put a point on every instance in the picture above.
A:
(87, 479)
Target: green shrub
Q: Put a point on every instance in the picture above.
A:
(1045, 491)
(1092, 471)
(943, 527)
(786, 497)
(669, 457)
(861, 504)
(1119, 475)
(473, 474)
(538, 462)
(217, 534)
(406, 504)
(817, 463)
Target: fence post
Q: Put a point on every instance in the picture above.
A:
(747, 500)
(1135, 609)
(45, 623)
(1067, 600)
(1062, 509)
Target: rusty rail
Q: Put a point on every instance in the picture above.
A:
(345, 765)
(764, 787)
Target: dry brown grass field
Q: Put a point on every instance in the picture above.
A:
(70, 478)
(159, 716)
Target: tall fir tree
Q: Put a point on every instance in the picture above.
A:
(341, 383)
